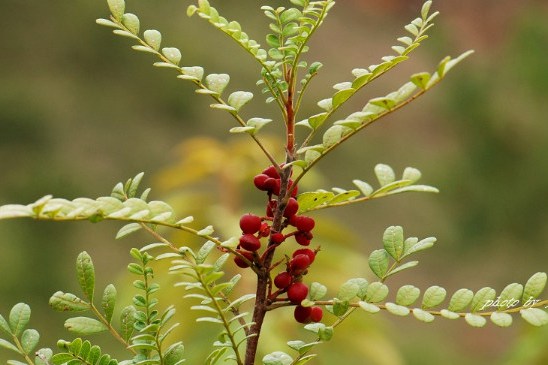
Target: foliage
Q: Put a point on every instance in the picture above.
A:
(143, 329)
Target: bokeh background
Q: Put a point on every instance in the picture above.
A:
(80, 111)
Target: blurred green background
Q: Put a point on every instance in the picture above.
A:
(80, 111)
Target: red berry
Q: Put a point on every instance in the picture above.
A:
(270, 208)
(241, 263)
(272, 185)
(292, 208)
(271, 171)
(305, 251)
(303, 223)
(302, 314)
(316, 314)
(294, 190)
(277, 237)
(303, 238)
(283, 280)
(250, 223)
(265, 230)
(250, 242)
(299, 263)
(260, 180)
(297, 292)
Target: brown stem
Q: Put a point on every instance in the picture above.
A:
(263, 274)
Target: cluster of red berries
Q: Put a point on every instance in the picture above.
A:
(254, 228)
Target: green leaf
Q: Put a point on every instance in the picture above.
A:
(19, 318)
(535, 316)
(333, 135)
(407, 295)
(362, 286)
(4, 326)
(482, 298)
(217, 82)
(61, 358)
(172, 54)
(421, 79)
(67, 302)
(393, 241)
(385, 174)
(127, 319)
(448, 314)
(376, 292)
(364, 187)
(460, 300)
(368, 307)
(84, 326)
(423, 316)
(131, 22)
(411, 174)
(398, 310)
(317, 291)
(348, 291)
(277, 358)
(153, 38)
(378, 262)
(340, 308)
(8, 345)
(534, 286)
(43, 356)
(433, 296)
(174, 354)
(310, 200)
(128, 229)
(29, 340)
(510, 296)
(204, 251)
(501, 319)
(411, 246)
(239, 98)
(341, 96)
(475, 320)
(117, 8)
(86, 274)
(108, 301)
(399, 268)
(207, 231)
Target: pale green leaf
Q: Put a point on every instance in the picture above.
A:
(534, 286)
(393, 241)
(19, 317)
(117, 8)
(128, 229)
(423, 316)
(483, 299)
(317, 291)
(449, 314)
(172, 54)
(217, 82)
(277, 358)
(131, 22)
(407, 295)
(86, 274)
(412, 174)
(501, 319)
(364, 187)
(108, 301)
(399, 268)
(535, 316)
(398, 310)
(239, 98)
(376, 292)
(4, 326)
(333, 135)
(310, 200)
(348, 291)
(510, 296)
(84, 325)
(67, 302)
(29, 340)
(127, 319)
(475, 320)
(385, 174)
(433, 296)
(378, 262)
(153, 38)
(8, 345)
(368, 307)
